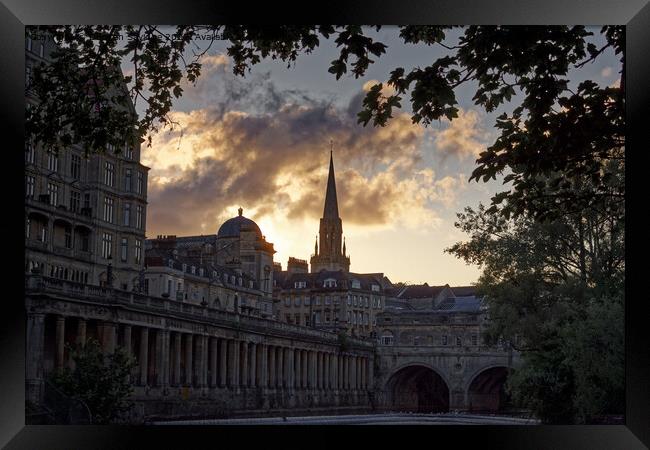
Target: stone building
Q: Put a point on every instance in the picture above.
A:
(215, 326)
(185, 269)
(330, 300)
(85, 217)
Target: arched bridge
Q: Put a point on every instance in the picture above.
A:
(434, 379)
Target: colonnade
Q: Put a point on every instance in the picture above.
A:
(168, 358)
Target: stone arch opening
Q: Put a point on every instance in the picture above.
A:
(418, 388)
(486, 392)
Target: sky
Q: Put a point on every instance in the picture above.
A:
(262, 142)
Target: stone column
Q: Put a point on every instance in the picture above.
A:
(287, 367)
(81, 331)
(127, 339)
(335, 372)
(144, 355)
(188, 360)
(326, 376)
(231, 363)
(305, 368)
(278, 363)
(312, 370)
(298, 371)
(213, 362)
(158, 375)
(223, 362)
(263, 371)
(272, 369)
(319, 370)
(354, 373)
(204, 369)
(292, 368)
(176, 373)
(34, 356)
(164, 367)
(244, 364)
(198, 363)
(252, 356)
(371, 373)
(60, 341)
(236, 357)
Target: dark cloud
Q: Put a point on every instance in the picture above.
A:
(274, 160)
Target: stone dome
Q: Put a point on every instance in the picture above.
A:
(232, 227)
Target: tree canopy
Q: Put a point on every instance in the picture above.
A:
(553, 129)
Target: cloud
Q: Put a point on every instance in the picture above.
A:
(272, 160)
(606, 72)
(464, 137)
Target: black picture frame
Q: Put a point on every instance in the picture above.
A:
(15, 14)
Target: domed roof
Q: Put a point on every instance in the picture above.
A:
(232, 227)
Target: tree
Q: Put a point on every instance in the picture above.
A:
(554, 128)
(554, 292)
(100, 380)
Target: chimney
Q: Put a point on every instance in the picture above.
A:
(296, 265)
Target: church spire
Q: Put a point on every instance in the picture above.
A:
(331, 210)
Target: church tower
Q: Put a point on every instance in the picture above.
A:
(330, 248)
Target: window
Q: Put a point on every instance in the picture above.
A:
(444, 340)
(387, 338)
(75, 166)
(287, 301)
(30, 182)
(356, 284)
(297, 318)
(299, 284)
(330, 282)
(28, 226)
(336, 300)
(41, 51)
(474, 339)
(126, 217)
(75, 201)
(296, 302)
(307, 300)
(52, 161)
(169, 287)
(140, 183)
(86, 200)
(85, 242)
(375, 287)
(459, 341)
(30, 154)
(109, 174)
(28, 44)
(349, 301)
(416, 340)
(28, 75)
(68, 237)
(316, 317)
(128, 151)
(367, 302)
(317, 301)
(327, 300)
(53, 192)
(138, 217)
(193, 270)
(107, 245)
(128, 180)
(108, 209)
(201, 272)
(354, 300)
(184, 267)
(124, 248)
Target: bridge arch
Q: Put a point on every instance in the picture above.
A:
(418, 387)
(485, 390)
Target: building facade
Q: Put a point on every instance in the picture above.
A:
(85, 216)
